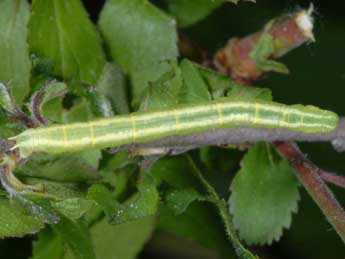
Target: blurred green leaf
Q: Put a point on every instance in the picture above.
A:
(163, 92)
(51, 91)
(73, 208)
(177, 172)
(263, 51)
(264, 195)
(194, 88)
(179, 200)
(42, 69)
(104, 198)
(122, 241)
(189, 82)
(77, 167)
(8, 128)
(112, 84)
(79, 112)
(189, 12)
(100, 105)
(76, 238)
(181, 173)
(199, 222)
(61, 31)
(220, 85)
(48, 245)
(142, 204)
(16, 220)
(6, 100)
(141, 38)
(47, 93)
(15, 64)
(56, 191)
(118, 171)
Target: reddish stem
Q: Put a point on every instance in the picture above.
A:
(310, 177)
(335, 179)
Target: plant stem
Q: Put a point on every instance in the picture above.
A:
(335, 179)
(240, 250)
(239, 135)
(309, 175)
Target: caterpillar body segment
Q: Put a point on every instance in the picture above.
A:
(141, 127)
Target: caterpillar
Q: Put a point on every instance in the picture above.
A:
(139, 127)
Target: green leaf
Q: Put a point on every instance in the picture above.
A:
(14, 53)
(56, 191)
(122, 241)
(47, 93)
(103, 197)
(80, 112)
(76, 237)
(118, 171)
(251, 93)
(179, 200)
(8, 129)
(142, 204)
(6, 100)
(81, 108)
(264, 195)
(194, 88)
(73, 208)
(16, 220)
(53, 90)
(112, 84)
(189, 12)
(262, 52)
(99, 105)
(177, 172)
(61, 31)
(199, 222)
(163, 92)
(240, 250)
(141, 38)
(181, 173)
(65, 168)
(220, 86)
(48, 245)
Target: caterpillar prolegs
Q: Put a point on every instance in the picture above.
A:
(139, 127)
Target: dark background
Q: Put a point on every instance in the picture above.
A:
(317, 76)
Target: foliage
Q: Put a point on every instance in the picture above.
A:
(97, 204)
(259, 213)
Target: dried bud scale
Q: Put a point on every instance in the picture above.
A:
(286, 33)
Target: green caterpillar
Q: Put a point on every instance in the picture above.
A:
(141, 127)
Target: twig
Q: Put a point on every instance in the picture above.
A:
(309, 175)
(333, 178)
(238, 135)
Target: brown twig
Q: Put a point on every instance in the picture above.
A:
(238, 135)
(310, 177)
(333, 178)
